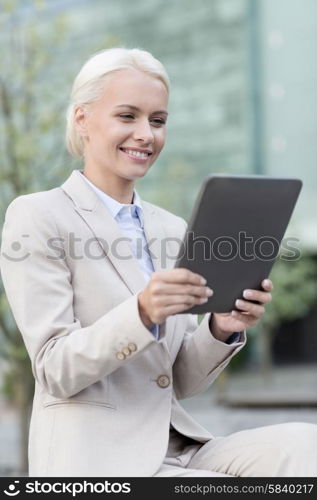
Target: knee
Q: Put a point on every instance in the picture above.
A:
(292, 437)
(293, 449)
(300, 448)
(300, 432)
(299, 441)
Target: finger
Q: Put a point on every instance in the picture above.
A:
(180, 275)
(169, 311)
(182, 289)
(189, 300)
(174, 309)
(246, 319)
(267, 285)
(253, 309)
(257, 295)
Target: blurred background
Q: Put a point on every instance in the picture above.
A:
(243, 100)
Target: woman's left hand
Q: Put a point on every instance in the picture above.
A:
(222, 325)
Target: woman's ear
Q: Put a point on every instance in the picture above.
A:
(80, 121)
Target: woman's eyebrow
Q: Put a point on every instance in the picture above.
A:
(135, 108)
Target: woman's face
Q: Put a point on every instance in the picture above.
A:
(124, 131)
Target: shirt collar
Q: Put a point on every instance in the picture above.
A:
(138, 206)
(115, 206)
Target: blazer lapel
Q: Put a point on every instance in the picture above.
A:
(158, 242)
(105, 229)
(162, 257)
(154, 234)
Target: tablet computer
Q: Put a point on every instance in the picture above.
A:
(235, 234)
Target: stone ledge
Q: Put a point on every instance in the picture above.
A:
(294, 386)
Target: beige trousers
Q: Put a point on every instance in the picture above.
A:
(283, 450)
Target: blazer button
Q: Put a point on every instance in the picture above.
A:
(132, 347)
(126, 351)
(120, 356)
(163, 381)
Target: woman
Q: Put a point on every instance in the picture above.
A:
(97, 312)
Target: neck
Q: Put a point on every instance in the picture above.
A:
(119, 189)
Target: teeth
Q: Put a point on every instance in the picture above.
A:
(137, 154)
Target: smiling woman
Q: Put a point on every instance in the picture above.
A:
(110, 356)
(123, 131)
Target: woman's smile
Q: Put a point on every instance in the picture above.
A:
(137, 154)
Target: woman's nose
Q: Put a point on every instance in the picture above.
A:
(143, 132)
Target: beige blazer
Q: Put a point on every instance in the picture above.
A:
(106, 390)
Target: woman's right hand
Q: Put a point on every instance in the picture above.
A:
(170, 292)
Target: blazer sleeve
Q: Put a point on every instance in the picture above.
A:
(201, 357)
(65, 357)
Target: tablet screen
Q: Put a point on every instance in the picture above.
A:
(235, 234)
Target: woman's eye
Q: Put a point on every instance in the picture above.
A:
(127, 116)
(158, 122)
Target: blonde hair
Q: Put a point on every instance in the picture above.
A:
(89, 83)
